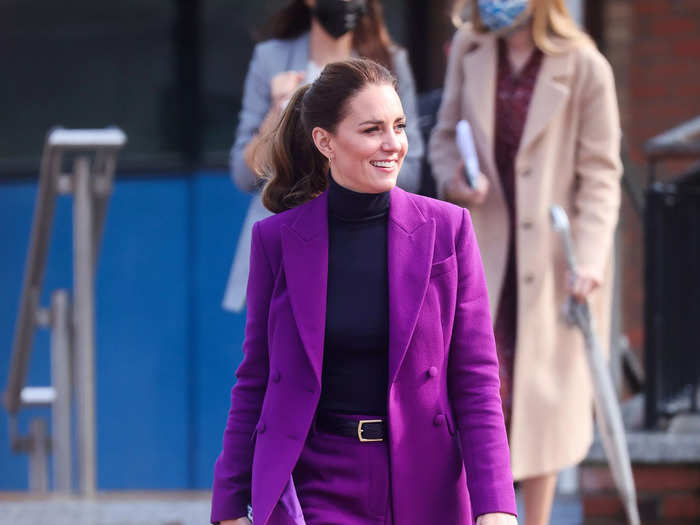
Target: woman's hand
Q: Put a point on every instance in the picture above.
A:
(239, 521)
(496, 518)
(458, 191)
(580, 286)
(283, 85)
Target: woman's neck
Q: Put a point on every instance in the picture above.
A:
(520, 45)
(323, 48)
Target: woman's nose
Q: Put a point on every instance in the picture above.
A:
(391, 142)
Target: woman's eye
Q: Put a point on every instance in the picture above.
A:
(401, 126)
(370, 130)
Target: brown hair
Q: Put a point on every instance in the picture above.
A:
(551, 20)
(295, 170)
(370, 37)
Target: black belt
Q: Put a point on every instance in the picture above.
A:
(363, 429)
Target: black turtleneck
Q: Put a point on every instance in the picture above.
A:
(356, 348)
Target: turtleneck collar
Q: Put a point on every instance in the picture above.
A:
(349, 205)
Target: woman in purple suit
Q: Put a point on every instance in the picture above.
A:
(368, 391)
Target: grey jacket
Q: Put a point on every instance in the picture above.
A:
(269, 58)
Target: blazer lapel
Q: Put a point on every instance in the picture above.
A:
(305, 260)
(551, 91)
(410, 240)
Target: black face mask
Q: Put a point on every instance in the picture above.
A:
(339, 16)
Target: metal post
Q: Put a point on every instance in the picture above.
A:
(84, 323)
(61, 362)
(38, 478)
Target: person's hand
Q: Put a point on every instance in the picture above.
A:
(458, 191)
(496, 518)
(239, 521)
(283, 85)
(581, 285)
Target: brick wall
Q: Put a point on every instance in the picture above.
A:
(654, 48)
(667, 494)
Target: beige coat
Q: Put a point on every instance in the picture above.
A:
(569, 155)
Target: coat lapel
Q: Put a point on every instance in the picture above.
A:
(410, 241)
(551, 91)
(305, 259)
(481, 62)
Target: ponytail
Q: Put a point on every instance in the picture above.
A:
(294, 169)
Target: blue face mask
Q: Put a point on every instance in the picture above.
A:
(501, 14)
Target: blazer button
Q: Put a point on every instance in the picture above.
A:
(438, 420)
(432, 371)
(260, 427)
(276, 377)
(529, 278)
(526, 173)
(527, 225)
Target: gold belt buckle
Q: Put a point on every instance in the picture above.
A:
(359, 430)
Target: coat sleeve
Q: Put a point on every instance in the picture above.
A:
(598, 170)
(474, 385)
(254, 106)
(442, 151)
(232, 471)
(410, 177)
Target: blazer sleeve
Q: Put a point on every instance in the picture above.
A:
(598, 169)
(410, 177)
(254, 106)
(474, 385)
(442, 151)
(232, 471)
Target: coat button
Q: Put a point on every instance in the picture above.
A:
(527, 225)
(438, 420)
(260, 427)
(529, 278)
(432, 371)
(526, 173)
(276, 377)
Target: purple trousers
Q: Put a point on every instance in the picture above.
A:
(341, 481)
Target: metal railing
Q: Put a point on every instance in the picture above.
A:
(680, 142)
(72, 326)
(672, 291)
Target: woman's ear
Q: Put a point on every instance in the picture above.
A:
(323, 142)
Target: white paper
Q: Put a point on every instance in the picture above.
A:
(465, 144)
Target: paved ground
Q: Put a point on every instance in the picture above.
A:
(190, 508)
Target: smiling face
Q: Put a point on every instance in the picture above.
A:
(369, 143)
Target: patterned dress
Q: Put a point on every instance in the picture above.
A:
(513, 95)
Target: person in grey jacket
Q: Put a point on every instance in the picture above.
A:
(305, 36)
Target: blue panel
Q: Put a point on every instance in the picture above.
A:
(220, 210)
(143, 336)
(142, 328)
(166, 351)
(16, 203)
(16, 215)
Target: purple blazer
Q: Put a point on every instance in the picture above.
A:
(448, 448)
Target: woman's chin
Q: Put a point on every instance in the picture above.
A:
(385, 181)
(385, 184)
